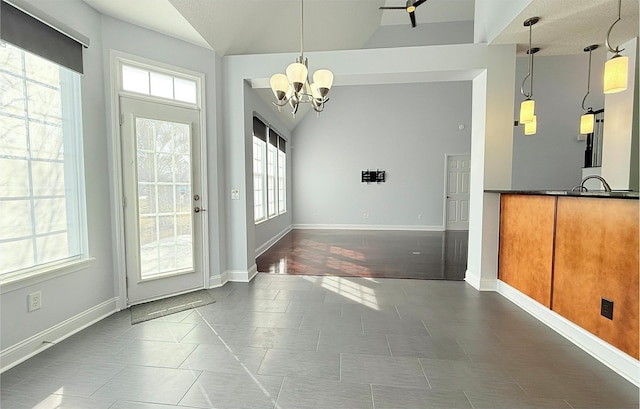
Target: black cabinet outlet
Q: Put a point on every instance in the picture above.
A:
(606, 308)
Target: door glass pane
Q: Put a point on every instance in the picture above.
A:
(164, 197)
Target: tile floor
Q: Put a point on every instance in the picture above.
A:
(303, 342)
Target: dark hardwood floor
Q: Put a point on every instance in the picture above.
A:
(365, 253)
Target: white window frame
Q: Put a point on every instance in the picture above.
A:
(269, 186)
(73, 149)
(259, 180)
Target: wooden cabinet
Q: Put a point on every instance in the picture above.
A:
(526, 244)
(596, 256)
(568, 253)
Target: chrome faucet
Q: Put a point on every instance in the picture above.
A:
(581, 187)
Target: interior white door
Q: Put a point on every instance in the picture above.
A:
(162, 206)
(457, 199)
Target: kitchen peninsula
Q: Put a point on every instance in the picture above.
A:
(575, 253)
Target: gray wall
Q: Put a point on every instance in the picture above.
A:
(404, 129)
(265, 231)
(553, 157)
(71, 294)
(455, 32)
(120, 36)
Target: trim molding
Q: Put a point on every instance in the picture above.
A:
(266, 246)
(620, 362)
(37, 343)
(480, 284)
(241, 276)
(366, 227)
(219, 280)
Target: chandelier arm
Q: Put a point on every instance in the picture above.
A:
(606, 41)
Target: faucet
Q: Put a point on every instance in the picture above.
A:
(581, 187)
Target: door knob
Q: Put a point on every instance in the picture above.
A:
(198, 210)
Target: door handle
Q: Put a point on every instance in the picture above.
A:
(198, 210)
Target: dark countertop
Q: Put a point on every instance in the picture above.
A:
(616, 194)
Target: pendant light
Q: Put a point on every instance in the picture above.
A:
(588, 118)
(530, 128)
(527, 107)
(616, 69)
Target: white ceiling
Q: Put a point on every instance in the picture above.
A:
(235, 27)
(568, 26)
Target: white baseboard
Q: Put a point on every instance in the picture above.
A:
(620, 362)
(37, 343)
(242, 276)
(219, 280)
(480, 284)
(366, 227)
(272, 241)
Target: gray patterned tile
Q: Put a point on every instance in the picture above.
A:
(146, 384)
(391, 397)
(227, 359)
(321, 394)
(382, 370)
(220, 391)
(301, 364)
(425, 347)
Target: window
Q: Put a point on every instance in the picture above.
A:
(269, 172)
(163, 85)
(41, 167)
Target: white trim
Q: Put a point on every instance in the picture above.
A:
(38, 276)
(20, 352)
(620, 362)
(272, 241)
(480, 284)
(367, 227)
(218, 280)
(117, 188)
(241, 276)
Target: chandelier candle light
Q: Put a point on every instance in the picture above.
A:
(294, 87)
(588, 118)
(527, 107)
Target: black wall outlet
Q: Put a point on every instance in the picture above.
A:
(606, 308)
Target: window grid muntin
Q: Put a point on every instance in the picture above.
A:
(67, 97)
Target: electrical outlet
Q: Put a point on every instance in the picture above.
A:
(606, 308)
(34, 301)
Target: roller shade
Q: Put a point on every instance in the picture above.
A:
(259, 129)
(273, 138)
(282, 144)
(33, 35)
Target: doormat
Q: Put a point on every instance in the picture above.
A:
(168, 306)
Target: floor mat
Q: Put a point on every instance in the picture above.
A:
(168, 306)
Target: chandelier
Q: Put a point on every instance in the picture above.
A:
(294, 87)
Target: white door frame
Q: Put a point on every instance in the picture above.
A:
(117, 189)
(446, 185)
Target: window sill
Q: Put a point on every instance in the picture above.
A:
(29, 278)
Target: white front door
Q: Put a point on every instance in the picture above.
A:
(457, 194)
(161, 182)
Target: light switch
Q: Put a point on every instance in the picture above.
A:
(235, 194)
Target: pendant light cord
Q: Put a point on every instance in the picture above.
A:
(530, 73)
(606, 41)
(588, 83)
(301, 30)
